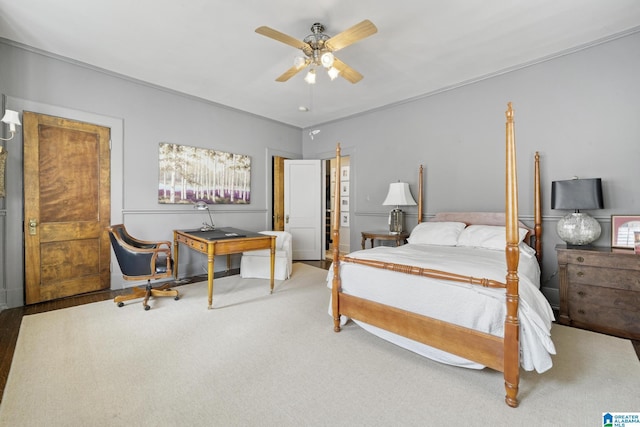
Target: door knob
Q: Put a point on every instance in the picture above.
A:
(32, 226)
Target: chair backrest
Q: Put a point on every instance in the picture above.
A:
(121, 232)
(283, 238)
(136, 258)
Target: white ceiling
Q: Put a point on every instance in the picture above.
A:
(208, 48)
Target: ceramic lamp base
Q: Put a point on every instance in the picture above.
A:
(578, 229)
(396, 221)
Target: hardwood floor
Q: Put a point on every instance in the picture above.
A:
(11, 319)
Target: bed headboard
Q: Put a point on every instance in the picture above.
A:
(476, 218)
(533, 238)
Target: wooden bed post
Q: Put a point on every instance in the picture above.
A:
(511, 324)
(335, 233)
(537, 206)
(420, 194)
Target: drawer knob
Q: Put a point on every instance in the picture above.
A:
(581, 311)
(582, 293)
(580, 259)
(580, 274)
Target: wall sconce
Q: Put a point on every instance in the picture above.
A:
(398, 195)
(202, 206)
(11, 118)
(577, 228)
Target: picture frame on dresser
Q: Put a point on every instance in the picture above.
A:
(622, 230)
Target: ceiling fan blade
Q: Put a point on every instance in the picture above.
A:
(347, 72)
(281, 37)
(351, 35)
(291, 72)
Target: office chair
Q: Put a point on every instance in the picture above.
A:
(139, 260)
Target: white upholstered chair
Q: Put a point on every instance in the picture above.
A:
(256, 264)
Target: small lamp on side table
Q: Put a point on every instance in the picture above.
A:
(398, 195)
(577, 228)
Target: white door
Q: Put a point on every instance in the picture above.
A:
(303, 207)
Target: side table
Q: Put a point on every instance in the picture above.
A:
(400, 238)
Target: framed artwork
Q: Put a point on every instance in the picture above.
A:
(344, 173)
(344, 188)
(344, 219)
(623, 228)
(192, 174)
(344, 204)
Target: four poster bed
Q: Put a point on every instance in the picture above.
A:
(474, 317)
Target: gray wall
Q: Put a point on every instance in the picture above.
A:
(140, 116)
(581, 111)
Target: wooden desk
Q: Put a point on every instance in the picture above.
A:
(400, 238)
(222, 241)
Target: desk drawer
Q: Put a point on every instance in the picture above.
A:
(195, 244)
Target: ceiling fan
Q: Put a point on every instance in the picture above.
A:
(318, 48)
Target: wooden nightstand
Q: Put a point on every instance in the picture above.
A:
(600, 290)
(400, 239)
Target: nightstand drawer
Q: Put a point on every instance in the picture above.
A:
(612, 312)
(581, 296)
(605, 277)
(623, 260)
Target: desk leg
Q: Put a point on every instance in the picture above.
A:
(175, 255)
(210, 263)
(273, 261)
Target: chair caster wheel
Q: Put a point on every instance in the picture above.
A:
(176, 298)
(120, 304)
(147, 307)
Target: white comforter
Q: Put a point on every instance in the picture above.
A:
(482, 309)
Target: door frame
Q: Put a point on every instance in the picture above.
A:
(269, 182)
(344, 152)
(14, 268)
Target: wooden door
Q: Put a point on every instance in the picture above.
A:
(303, 207)
(66, 207)
(278, 193)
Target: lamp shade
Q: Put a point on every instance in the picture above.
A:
(11, 118)
(576, 194)
(399, 195)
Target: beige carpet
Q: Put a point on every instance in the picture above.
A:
(274, 360)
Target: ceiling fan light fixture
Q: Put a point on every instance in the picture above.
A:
(310, 77)
(327, 59)
(333, 73)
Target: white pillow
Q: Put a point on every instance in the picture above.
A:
(527, 250)
(436, 233)
(486, 236)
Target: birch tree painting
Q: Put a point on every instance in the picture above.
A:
(191, 174)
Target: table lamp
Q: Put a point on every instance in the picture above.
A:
(577, 228)
(398, 195)
(202, 206)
